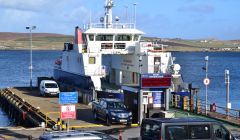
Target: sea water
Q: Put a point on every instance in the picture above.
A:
(14, 71)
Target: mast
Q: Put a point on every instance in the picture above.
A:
(108, 13)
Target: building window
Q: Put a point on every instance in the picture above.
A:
(92, 60)
(136, 37)
(91, 37)
(123, 37)
(104, 38)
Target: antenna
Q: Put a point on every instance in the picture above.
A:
(135, 14)
(90, 17)
(126, 13)
(108, 13)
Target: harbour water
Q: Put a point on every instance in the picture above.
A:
(14, 72)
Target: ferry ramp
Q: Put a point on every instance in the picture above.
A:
(51, 108)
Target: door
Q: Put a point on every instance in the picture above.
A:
(221, 133)
(157, 64)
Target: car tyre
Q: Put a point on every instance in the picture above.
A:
(95, 115)
(129, 124)
(108, 121)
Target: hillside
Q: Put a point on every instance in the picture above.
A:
(178, 44)
(48, 41)
(41, 41)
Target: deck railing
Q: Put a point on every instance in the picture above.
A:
(113, 25)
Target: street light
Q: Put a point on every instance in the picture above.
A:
(31, 67)
(206, 60)
(135, 14)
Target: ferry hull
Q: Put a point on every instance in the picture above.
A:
(74, 80)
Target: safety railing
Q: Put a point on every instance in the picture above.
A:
(113, 25)
(48, 116)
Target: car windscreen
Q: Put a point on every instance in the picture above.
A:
(174, 132)
(51, 85)
(115, 105)
(199, 131)
(151, 130)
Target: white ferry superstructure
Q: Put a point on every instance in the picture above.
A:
(111, 52)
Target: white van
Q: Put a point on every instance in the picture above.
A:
(48, 87)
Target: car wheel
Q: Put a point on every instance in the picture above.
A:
(129, 124)
(108, 121)
(95, 115)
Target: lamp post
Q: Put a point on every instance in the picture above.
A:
(206, 61)
(126, 13)
(135, 14)
(31, 67)
(227, 81)
(140, 98)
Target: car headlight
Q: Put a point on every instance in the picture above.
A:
(113, 114)
(130, 114)
(45, 90)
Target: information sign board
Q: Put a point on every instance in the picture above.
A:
(68, 112)
(156, 80)
(68, 98)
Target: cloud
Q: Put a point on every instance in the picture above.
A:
(201, 8)
(28, 5)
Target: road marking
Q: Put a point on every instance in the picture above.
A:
(135, 124)
(6, 137)
(87, 126)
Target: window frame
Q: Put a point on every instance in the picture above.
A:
(90, 59)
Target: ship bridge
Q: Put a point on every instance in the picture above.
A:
(119, 39)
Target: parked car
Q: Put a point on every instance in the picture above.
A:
(111, 111)
(48, 87)
(75, 135)
(183, 128)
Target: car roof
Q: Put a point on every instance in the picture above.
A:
(75, 134)
(110, 100)
(179, 120)
(48, 81)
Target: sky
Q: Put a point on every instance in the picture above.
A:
(187, 19)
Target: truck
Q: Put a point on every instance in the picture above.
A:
(111, 111)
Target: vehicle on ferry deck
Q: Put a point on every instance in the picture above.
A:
(111, 111)
(75, 135)
(183, 128)
(49, 88)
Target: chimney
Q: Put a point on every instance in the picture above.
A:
(78, 35)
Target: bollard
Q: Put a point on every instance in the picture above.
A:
(63, 126)
(58, 124)
(120, 135)
(30, 137)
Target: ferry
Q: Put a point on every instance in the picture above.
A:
(110, 55)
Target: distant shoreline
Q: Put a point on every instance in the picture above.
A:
(36, 49)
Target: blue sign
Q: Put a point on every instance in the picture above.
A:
(68, 98)
(157, 97)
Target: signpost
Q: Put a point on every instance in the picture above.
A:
(156, 80)
(68, 112)
(206, 81)
(68, 98)
(68, 108)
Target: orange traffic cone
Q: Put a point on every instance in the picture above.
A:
(120, 135)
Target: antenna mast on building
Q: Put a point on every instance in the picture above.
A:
(108, 13)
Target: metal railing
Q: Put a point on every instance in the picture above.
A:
(48, 116)
(113, 25)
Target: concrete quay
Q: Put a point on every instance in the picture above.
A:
(48, 109)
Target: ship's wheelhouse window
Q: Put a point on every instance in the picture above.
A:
(92, 60)
(104, 38)
(91, 37)
(123, 38)
(136, 37)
